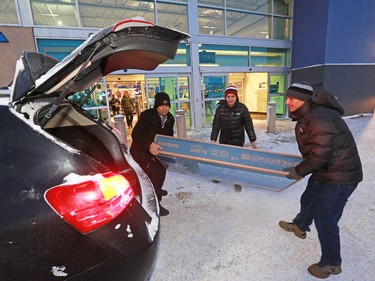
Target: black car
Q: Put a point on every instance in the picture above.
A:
(73, 203)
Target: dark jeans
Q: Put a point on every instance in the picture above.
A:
(324, 203)
(154, 169)
(129, 118)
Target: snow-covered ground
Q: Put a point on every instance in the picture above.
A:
(216, 233)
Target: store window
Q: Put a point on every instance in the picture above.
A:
(260, 56)
(178, 89)
(281, 28)
(106, 13)
(282, 7)
(211, 21)
(8, 12)
(94, 100)
(253, 19)
(54, 13)
(248, 25)
(217, 55)
(212, 2)
(182, 57)
(173, 16)
(260, 6)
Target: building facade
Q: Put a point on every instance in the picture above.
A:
(233, 42)
(244, 43)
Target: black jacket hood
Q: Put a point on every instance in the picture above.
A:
(321, 97)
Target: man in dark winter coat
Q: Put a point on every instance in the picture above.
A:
(231, 119)
(128, 108)
(157, 120)
(330, 155)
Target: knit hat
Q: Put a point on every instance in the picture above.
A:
(162, 99)
(300, 90)
(231, 90)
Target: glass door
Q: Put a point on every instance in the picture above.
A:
(277, 88)
(213, 88)
(177, 87)
(95, 100)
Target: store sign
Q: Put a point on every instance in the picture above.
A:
(207, 57)
(3, 39)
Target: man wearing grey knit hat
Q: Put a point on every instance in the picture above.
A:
(300, 90)
(330, 155)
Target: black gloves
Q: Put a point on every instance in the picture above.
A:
(292, 174)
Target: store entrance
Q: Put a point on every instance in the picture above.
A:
(142, 89)
(177, 86)
(255, 90)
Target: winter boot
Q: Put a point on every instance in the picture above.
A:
(163, 211)
(324, 271)
(292, 227)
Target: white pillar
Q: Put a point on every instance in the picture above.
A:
(181, 123)
(119, 124)
(271, 117)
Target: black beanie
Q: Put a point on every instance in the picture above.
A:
(162, 99)
(300, 90)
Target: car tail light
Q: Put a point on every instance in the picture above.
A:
(92, 202)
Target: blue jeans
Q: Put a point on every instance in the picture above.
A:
(324, 203)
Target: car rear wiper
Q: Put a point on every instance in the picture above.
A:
(67, 88)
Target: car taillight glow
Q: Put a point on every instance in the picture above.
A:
(89, 204)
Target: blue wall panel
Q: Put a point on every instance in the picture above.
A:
(351, 32)
(333, 31)
(309, 32)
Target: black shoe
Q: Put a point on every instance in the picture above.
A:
(292, 227)
(164, 192)
(163, 211)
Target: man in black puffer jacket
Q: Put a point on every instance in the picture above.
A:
(231, 119)
(330, 155)
(157, 120)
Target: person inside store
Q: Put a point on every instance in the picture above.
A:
(128, 108)
(114, 103)
(152, 121)
(231, 120)
(330, 155)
